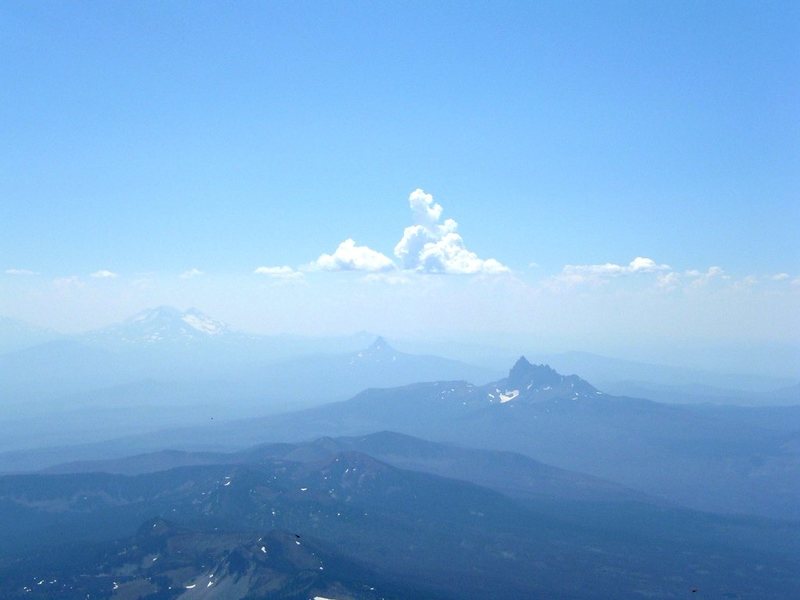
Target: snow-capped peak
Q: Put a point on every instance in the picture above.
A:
(163, 324)
(202, 323)
(529, 382)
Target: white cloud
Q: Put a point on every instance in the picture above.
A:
(191, 273)
(423, 208)
(780, 277)
(585, 273)
(645, 265)
(283, 272)
(20, 272)
(700, 278)
(695, 278)
(429, 246)
(350, 257)
(104, 274)
(449, 255)
(668, 281)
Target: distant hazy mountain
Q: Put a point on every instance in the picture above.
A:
(17, 335)
(608, 373)
(339, 376)
(143, 374)
(759, 375)
(160, 344)
(700, 394)
(166, 344)
(162, 325)
(358, 515)
(704, 459)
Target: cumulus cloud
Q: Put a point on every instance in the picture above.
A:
(429, 245)
(645, 265)
(449, 255)
(423, 208)
(191, 273)
(351, 257)
(433, 246)
(780, 277)
(283, 272)
(104, 274)
(19, 272)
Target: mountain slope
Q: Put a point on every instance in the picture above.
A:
(161, 325)
(455, 538)
(167, 561)
(694, 458)
(709, 459)
(142, 373)
(379, 365)
(512, 474)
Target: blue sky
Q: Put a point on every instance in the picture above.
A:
(149, 139)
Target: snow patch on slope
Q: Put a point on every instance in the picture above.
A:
(508, 396)
(202, 323)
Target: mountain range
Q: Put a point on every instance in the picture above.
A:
(141, 375)
(165, 343)
(424, 483)
(357, 516)
(165, 560)
(513, 474)
(715, 458)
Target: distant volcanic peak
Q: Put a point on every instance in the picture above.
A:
(380, 345)
(165, 322)
(524, 373)
(521, 364)
(529, 381)
(194, 318)
(378, 351)
(156, 314)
